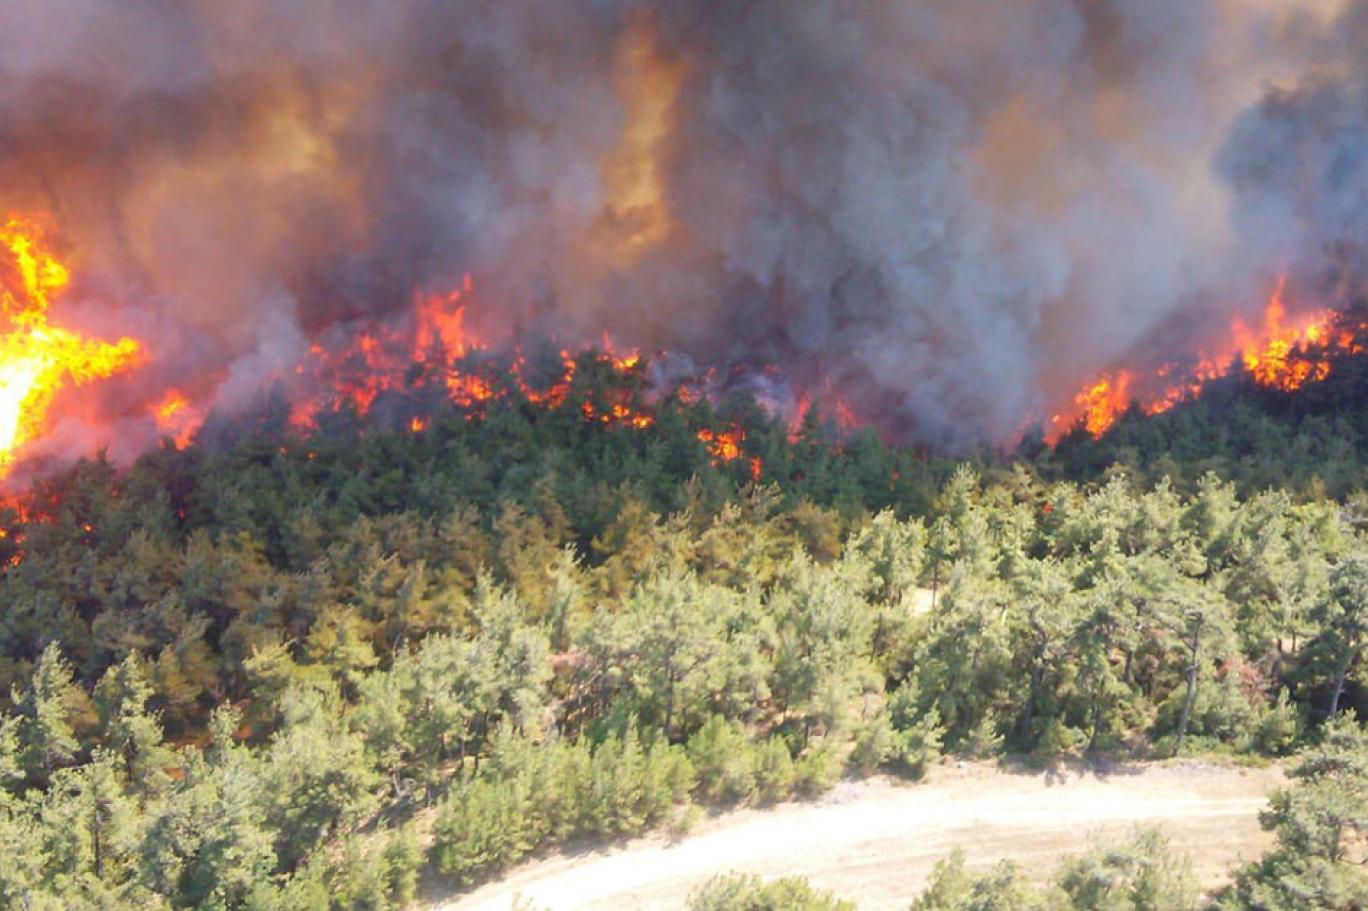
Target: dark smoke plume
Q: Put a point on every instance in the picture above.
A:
(953, 211)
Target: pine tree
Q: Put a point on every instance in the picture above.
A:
(128, 729)
(46, 710)
(1343, 619)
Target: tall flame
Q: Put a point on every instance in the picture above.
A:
(1104, 400)
(1270, 357)
(37, 358)
(176, 419)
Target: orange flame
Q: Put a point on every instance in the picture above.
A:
(36, 358)
(440, 343)
(1104, 401)
(1277, 358)
(175, 418)
(725, 446)
(1280, 354)
(830, 404)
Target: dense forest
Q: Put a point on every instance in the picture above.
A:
(290, 670)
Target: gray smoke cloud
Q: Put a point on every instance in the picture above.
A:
(1298, 161)
(952, 211)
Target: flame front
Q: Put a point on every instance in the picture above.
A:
(37, 358)
(438, 343)
(1283, 354)
(435, 349)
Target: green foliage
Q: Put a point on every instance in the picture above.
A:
(917, 732)
(403, 857)
(46, 710)
(954, 888)
(1320, 823)
(527, 796)
(736, 892)
(775, 773)
(480, 829)
(722, 756)
(1138, 875)
(127, 729)
(275, 648)
(816, 770)
(315, 777)
(1279, 727)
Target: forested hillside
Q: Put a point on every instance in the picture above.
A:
(274, 670)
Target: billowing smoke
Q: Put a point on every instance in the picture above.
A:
(953, 211)
(1298, 160)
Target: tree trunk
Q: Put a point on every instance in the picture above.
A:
(1100, 690)
(98, 825)
(1194, 646)
(1342, 675)
(1096, 724)
(1037, 674)
(669, 703)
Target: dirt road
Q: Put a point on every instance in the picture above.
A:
(876, 841)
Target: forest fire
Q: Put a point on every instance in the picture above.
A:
(433, 348)
(954, 252)
(438, 348)
(725, 446)
(176, 419)
(37, 358)
(1104, 400)
(828, 403)
(1282, 353)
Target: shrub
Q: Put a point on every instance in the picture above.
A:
(774, 770)
(1278, 728)
(735, 892)
(479, 829)
(723, 759)
(816, 771)
(919, 745)
(875, 742)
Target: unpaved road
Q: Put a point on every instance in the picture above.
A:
(876, 841)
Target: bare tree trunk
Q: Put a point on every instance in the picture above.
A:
(1343, 675)
(1194, 646)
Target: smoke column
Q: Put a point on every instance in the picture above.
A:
(954, 211)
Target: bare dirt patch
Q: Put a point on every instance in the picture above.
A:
(876, 841)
